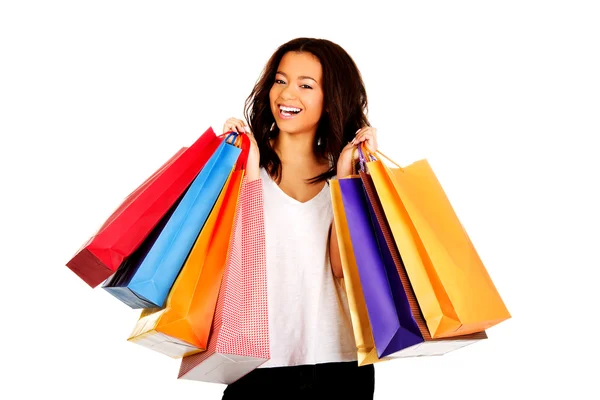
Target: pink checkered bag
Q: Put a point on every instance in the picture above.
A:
(239, 337)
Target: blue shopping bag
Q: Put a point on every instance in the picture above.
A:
(145, 281)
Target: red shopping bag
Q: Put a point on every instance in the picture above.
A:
(239, 338)
(183, 326)
(128, 226)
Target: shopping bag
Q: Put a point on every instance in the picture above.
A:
(239, 338)
(182, 327)
(155, 274)
(453, 288)
(429, 346)
(128, 226)
(363, 336)
(391, 322)
(130, 265)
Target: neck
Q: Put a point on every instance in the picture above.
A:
(296, 149)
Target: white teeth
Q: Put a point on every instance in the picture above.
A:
(289, 109)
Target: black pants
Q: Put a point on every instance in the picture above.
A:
(320, 381)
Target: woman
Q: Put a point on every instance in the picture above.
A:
(306, 114)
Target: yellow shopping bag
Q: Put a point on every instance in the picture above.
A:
(451, 284)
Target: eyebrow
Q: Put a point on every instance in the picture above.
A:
(300, 77)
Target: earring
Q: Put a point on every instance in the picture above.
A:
(319, 142)
(272, 127)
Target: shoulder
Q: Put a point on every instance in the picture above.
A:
(264, 175)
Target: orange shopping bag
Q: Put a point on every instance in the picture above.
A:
(429, 346)
(182, 327)
(453, 288)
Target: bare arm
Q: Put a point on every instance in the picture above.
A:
(334, 253)
(344, 169)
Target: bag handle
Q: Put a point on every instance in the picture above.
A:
(243, 142)
(363, 153)
(364, 150)
(361, 159)
(354, 150)
(230, 134)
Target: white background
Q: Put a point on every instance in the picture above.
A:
(502, 98)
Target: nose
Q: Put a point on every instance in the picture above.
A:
(288, 93)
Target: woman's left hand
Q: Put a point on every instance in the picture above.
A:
(368, 135)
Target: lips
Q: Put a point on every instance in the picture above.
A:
(288, 112)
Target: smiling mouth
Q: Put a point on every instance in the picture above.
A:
(289, 112)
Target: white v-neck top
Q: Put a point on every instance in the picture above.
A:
(309, 319)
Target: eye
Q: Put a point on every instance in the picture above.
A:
(306, 87)
(280, 81)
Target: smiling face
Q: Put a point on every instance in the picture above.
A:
(296, 96)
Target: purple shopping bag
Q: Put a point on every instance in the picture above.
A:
(392, 322)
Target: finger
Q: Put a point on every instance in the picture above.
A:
(237, 124)
(373, 136)
(348, 146)
(229, 128)
(233, 121)
(369, 133)
(355, 135)
(230, 125)
(239, 128)
(360, 138)
(241, 125)
(360, 133)
(371, 144)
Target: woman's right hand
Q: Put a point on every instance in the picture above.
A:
(253, 164)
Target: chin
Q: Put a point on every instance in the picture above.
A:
(292, 126)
